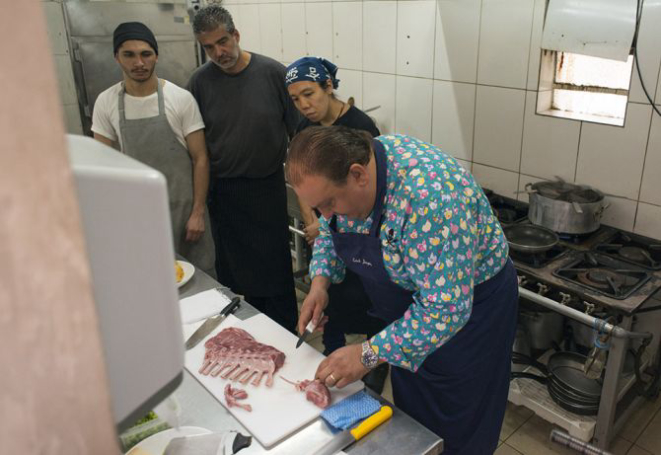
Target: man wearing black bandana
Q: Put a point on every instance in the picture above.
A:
(249, 118)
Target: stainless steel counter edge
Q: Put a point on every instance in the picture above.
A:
(400, 435)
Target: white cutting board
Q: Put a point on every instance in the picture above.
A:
(280, 410)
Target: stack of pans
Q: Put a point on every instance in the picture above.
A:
(567, 384)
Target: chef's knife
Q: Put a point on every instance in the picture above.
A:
(309, 329)
(211, 323)
(342, 440)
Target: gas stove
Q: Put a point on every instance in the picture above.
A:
(610, 275)
(608, 268)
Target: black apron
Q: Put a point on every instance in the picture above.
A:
(250, 226)
(460, 391)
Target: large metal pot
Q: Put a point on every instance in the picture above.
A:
(564, 207)
(543, 327)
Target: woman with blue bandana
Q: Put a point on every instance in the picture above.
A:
(310, 82)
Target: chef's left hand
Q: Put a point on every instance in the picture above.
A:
(194, 228)
(342, 367)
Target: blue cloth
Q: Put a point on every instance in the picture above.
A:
(353, 409)
(311, 69)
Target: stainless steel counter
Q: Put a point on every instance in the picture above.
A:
(400, 435)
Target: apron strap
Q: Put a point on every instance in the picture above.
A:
(120, 105)
(161, 98)
(381, 185)
(122, 109)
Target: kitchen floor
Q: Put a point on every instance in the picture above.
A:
(524, 433)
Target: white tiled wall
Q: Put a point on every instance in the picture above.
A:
(611, 159)
(453, 118)
(414, 106)
(457, 40)
(498, 127)
(415, 38)
(378, 47)
(462, 74)
(505, 42)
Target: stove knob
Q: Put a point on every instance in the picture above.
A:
(565, 298)
(542, 288)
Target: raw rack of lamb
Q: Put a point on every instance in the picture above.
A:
(235, 355)
(315, 391)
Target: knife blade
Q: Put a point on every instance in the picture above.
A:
(342, 440)
(211, 323)
(309, 329)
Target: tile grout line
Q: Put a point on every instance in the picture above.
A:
(437, 9)
(656, 413)
(518, 428)
(642, 173)
(477, 70)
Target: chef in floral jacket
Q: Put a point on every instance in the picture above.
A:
(419, 231)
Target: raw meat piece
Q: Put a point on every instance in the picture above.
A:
(233, 395)
(239, 357)
(315, 391)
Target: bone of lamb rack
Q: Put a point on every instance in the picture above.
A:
(233, 395)
(235, 355)
(315, 391)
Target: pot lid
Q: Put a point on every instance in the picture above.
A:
(568, 192)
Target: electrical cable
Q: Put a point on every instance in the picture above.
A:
(639, 13)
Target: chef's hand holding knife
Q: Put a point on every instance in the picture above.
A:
(343, 366)
(314, 305)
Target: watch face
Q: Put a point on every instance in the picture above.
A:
(369, 358)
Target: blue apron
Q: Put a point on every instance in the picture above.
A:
(460, 390)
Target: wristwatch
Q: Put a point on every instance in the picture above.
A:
(368, 357)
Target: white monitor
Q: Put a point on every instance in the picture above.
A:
(126, 221)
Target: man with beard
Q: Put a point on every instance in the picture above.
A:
(159, 124)
(249, 118)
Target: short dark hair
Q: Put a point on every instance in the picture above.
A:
(211, 17)
(328, 151)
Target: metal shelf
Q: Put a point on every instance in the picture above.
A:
(535, 396)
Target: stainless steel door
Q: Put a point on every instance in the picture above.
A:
(90, 26)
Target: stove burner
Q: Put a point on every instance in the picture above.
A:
(605, 279)
(505, 215)
(604, 274)
(636, 254)
(508, 211)
(634, 249)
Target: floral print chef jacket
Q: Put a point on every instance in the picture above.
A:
(443, 239)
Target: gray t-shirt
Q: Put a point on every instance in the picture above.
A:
(249, 117)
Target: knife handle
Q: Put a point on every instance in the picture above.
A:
(311, 325)
(232, 307)
(372, 422)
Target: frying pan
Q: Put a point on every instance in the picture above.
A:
(572, 405)
(567, 384)
(529, 238)
(567, 367)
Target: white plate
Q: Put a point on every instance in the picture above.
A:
(189, 271)
(156, 443)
